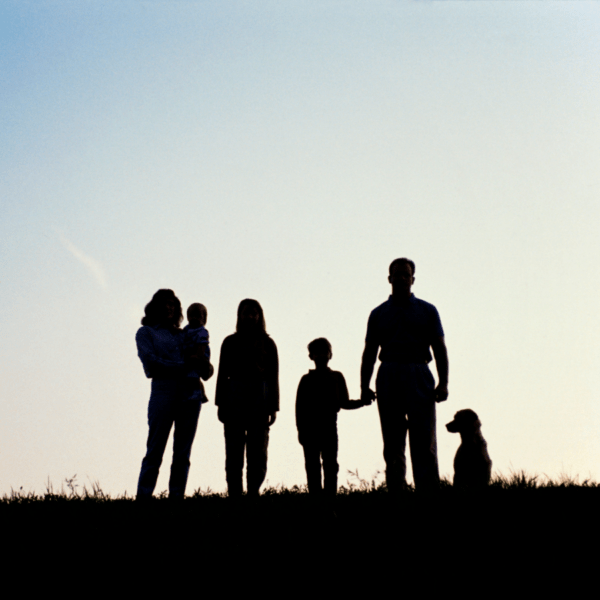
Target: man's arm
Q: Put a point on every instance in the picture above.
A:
(366, 371)
(441, 362)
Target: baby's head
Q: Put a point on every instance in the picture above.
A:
(197, 315)
(319, 350)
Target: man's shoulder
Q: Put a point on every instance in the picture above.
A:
(382, 307)
(427, 309)
(424, 304)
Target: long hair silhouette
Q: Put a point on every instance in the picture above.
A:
(155, 312)
(248, 302)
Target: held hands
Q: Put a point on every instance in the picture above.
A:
(367, 396)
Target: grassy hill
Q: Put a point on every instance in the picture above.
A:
(520, 505)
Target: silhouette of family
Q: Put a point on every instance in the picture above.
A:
(404, 330)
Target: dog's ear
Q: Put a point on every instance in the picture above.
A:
(469, 418)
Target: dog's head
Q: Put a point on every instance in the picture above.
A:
(464, 421)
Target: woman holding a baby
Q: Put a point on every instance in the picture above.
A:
(175, 398)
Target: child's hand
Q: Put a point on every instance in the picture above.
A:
(367, 396)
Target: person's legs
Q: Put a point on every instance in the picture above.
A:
(161, 414)
(312, 463)
(256, 453)
(186, 423)
(235, 443)
(423, 446)
(394, 425)
(422, 434)
(329, 449)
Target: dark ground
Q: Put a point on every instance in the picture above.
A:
(537, 533)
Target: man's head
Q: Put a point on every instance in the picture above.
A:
(319, 350)
(402, 276)
(197, 314)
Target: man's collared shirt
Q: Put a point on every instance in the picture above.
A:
(404, 331)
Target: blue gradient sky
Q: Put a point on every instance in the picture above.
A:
(288, 151)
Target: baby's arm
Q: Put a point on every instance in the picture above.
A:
(198, 356)
(199, 351)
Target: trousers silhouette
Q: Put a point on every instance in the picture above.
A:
(321, 445)
(250, 437)
(405, 398)
(164, 411)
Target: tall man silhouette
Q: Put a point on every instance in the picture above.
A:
(405, 328)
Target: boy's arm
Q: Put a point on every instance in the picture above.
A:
(352, 404)
(344, 397)
(345, 401)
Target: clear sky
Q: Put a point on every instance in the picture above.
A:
(288, 151)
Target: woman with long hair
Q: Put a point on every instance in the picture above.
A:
(159, 344)
(247, 397)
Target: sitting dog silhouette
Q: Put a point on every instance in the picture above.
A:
(472, 463)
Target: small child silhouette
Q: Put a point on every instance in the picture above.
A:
(195, 343)
(321, 394)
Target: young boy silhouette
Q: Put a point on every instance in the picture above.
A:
(321, 394)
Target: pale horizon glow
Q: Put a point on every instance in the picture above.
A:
(288, 152)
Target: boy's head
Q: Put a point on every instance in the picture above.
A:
(197, 314)
(319, 350)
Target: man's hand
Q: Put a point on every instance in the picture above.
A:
(441, 362)
(441, 393)
(367, 396)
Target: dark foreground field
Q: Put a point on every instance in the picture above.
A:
(520, 525)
